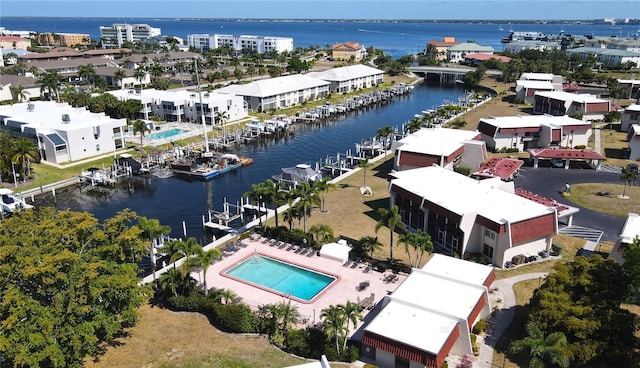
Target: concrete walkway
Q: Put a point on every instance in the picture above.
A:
(505, 314)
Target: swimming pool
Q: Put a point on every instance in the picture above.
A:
(280, 277)
(166, 134)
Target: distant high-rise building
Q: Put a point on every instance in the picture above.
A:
(116, 34)
(259, 44)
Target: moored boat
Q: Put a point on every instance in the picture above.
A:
(11, 203)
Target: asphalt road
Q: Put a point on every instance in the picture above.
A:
(548, 182)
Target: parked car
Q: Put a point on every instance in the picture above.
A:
(633, 168)
(557, 163)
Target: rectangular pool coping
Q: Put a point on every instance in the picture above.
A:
(336, 278)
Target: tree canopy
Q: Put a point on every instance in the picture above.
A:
(67, 284)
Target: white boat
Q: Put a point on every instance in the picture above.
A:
(11, 203)
(95, 176)
(256, 125)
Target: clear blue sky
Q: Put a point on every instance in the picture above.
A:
(316, 9)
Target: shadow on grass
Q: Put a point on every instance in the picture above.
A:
(383, 170)
(515, 331)
(620, 153)
(375, 205)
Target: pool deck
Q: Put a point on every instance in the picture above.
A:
(339, 293)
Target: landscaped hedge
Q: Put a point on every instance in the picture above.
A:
(234, 318)
(196, 302)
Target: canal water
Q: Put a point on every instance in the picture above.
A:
(175, 200)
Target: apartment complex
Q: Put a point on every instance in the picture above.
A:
(347, 50)
(259, 44)
(116, 34)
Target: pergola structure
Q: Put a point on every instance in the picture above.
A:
(566, 155)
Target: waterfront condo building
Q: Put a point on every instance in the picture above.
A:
(559, 103)
(116, 34)
(259, 44)
(350, 78)
(347, 50)
(464, 215)
(61, 132)
(438, 49)
(14, 43)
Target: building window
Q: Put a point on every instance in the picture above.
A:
(487, 250)
(401, 362)
(369, 352)
(488, 233)
(97, 147)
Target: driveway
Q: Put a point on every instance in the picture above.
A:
(549, 181)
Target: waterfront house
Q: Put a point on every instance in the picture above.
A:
(630, 231)
(184, 106)
(347, 50)
(558, 103)
(613, 43)
(445, 147)
(608, 57)
(456, 53)
(279, 93)
(240, 43)
(418, 327)
(438, 49)
(464, 215)
(61, 132)
(533, 131)
(350, 78)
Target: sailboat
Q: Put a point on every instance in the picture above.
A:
(500, 28)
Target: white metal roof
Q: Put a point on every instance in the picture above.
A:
(566, 96)
(520, 121)
(536, 84)
(633, 107)
(463, 195)
(346, 73)
(457, 269)
(274, 86)
(537, 76)
(47, 116)
(631, 228)
(434, 141)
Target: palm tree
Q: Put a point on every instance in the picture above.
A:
(224, 296)
(334, 320)
(369, 244)
(157, 71)
(202, 260)
(118, 76)
(26, 152)
(153, 231)
(413, 125)
(384, 132)
(177, 249)
(409, 241)
(351, 312)
(173, 282)
(289, 214)
(628, 177)
(19, 93)
(322, 233)
(141, 127)
(323, 186)
(286, 315)
(49, 81)
(424, 244)
(391, 219)
(140, 74)
(308, 196)
(275, 194)
(221, 117)
(256, 195)
(363, 163)
(87, 73)
(543, 350)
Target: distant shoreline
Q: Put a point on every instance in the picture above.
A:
(302, 20)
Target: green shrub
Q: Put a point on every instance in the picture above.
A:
(466, 171)
(480, 327)
(195, 302)
(580, 146)
(234, 317)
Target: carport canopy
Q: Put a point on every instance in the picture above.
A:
(566, 155)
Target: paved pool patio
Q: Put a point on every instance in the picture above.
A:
(345, 289)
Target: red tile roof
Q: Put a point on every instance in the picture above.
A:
(572, 154)
(542, 200)
(485, 57)
(502, 168)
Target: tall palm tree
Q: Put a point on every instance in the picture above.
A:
(409, 241)
(424, 245)
(286, 315)
(152, 231)
(413, 125)
(49, 81)
(384, 132)
(87, 73)
(627, 177)
(174, 282)
(289, 215)
(391, 219)
(351, 312)
(363, 163)
(323, 186)
(157, 70)
(202, 260)
(140, 74)
(118, 76)
(25, 152)
(141, 127)
(178, 249)
(275, 194)
(221, 117)
(309, 197)
(542, 350)
(19, 93)
(334, 321)
(257, 195)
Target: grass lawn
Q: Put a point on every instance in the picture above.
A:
(163, 338)
(603, 198)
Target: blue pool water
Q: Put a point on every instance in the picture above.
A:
(281, 277)
(166, 134)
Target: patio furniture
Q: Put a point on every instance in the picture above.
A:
(363, 285)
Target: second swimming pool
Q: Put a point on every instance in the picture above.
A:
(166, 134)
(281, 277)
